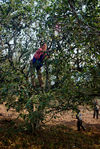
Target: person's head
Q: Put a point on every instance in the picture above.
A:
(43, 46)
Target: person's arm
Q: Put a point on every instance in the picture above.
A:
(80, 116)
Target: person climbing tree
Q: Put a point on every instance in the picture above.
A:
(37, 63)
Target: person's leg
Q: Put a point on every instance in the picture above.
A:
(40, 77)
(94, 114)
(82, 126)
(32, 71)
(78, 125)
(38, 68)
(33, 80)
(97, 113)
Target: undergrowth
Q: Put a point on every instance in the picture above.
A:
(14, 136)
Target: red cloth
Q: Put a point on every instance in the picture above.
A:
(38, 53)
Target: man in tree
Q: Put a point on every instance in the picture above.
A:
(79, 121)
(37, 63)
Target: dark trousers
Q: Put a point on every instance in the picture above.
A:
(96, 113)
(79, 125)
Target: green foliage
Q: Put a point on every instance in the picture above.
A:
(71, 72)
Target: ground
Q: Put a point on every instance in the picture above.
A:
(59, 133)
(66, 118)
(69, 119)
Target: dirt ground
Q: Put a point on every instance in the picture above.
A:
(65, 118)
(69, 119)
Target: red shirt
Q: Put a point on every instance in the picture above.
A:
(38, 53)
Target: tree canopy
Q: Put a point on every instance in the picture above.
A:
(71, 30)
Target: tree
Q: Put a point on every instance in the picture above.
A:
(73, 62)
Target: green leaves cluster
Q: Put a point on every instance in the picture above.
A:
(71, 73)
